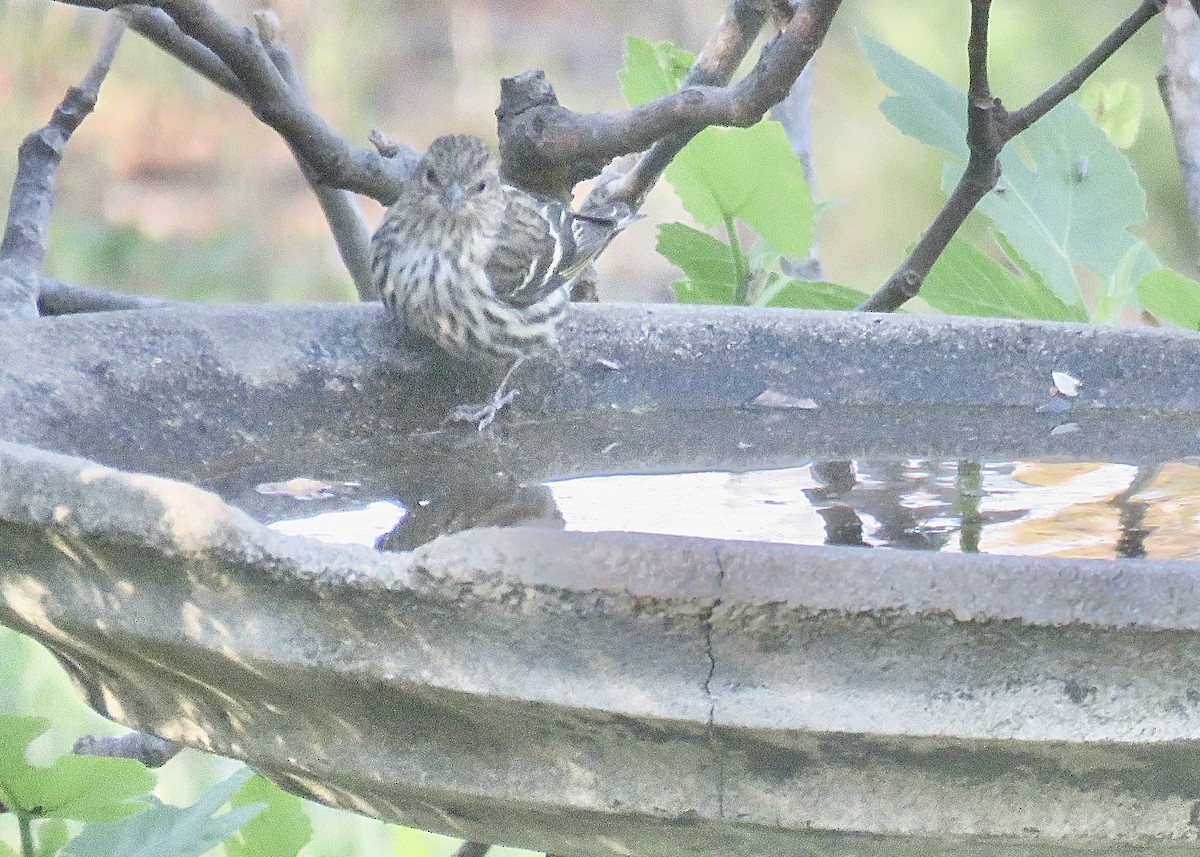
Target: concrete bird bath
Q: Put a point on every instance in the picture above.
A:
(594, 693)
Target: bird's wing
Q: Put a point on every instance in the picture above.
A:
(543, 246)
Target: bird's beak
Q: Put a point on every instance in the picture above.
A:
(454, 192)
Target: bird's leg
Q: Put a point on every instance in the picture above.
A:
(483, 415)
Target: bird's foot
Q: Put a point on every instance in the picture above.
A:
(482, 415)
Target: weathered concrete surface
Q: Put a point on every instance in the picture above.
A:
(599, 693)
(614, 693)
(200, 391)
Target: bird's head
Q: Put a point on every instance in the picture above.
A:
(458, 175)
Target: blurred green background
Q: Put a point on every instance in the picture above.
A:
(172, 188)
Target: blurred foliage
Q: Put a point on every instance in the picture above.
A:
(35, 692)
(1060, 214)
(185, 173)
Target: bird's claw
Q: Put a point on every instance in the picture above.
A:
(482, 415)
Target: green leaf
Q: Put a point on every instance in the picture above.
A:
(751, 174)
(1172, 297)
(1074, 204)
(652, 70)
(84, 788)
(924, 107)
(965, 281)
(169, 831)
(702, 292)
(803, 294)
(1117, 108)
(280, 830)
(1066, 194)
(1120, 288)
(703, 258)
(52, 835)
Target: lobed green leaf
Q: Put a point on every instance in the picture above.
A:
(966, 281)
(169, 831)
(1117, 108)
(652, 70)
(750, 174)
(280, 830)
(84, 788)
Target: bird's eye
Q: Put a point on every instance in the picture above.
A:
(481, 187)
(431, 176)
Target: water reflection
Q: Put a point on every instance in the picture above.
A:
(1026, 508)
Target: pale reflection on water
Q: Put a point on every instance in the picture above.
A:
(1038, 508)
(1074, 509)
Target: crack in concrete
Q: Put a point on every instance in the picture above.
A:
(714, 747)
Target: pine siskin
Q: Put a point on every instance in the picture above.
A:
(482, 268)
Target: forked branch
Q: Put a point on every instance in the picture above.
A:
(989, 128)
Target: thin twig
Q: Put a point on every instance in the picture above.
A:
(341, 209)
(23, 249)
(714, 66)
(156, 26)
(546, 148)
(150, 750)
(989, 128)
(334, 161)
(1073, 79)
(794, 113)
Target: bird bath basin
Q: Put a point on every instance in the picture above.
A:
(613, 692)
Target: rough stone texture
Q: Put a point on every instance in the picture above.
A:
(613, 693)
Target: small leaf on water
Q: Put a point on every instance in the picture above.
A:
(1066, 384)
(769, 398)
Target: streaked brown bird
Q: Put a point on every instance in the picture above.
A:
(482, 268)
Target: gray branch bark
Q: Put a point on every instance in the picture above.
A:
(1179, 86)
(23, 249)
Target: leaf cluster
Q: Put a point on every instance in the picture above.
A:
(115, 815)
(1060, 217)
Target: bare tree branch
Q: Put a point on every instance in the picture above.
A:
(1073, 79)
(23, 249)
(547, 148)
(150, 750)
(157, 27)
(1179, 87)
(332, 160)
(341, 209)
(989, 128)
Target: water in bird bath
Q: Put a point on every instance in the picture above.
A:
(1076, 509)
